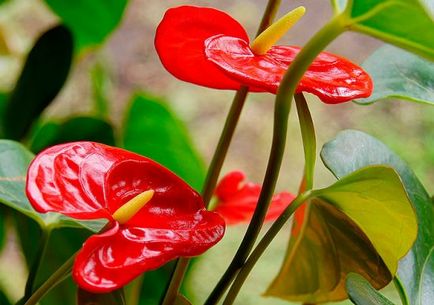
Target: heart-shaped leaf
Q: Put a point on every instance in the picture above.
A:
(82, 128)
(41, 79)
(361, 291)
(113, 298)
(152, 130)
(351, 150)
(212, 264)
(90, 21)
(14, 161)
(385, 19)
(399, 74)
(363, 223)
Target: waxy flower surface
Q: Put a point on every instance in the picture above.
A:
(237, 199)
(153, 215)
(207, 47)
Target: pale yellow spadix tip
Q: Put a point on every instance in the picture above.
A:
(130, 208)
(274, 32)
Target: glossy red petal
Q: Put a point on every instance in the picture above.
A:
(111, 260)
(69, 179)
(237, 200)
(332, 78)
(88, 180)
(172, 198)
(179, 42)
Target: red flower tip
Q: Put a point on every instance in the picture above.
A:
(161, 218)
(237, 199)
(208, 47)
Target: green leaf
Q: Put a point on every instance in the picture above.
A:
(112, 298)
(3, 298)
(404, 23)
(363, 223)
(62, 244)
(361, 291)
(74, 129)
(2, 227)
(399, 74)
(43, 75)
(153, 284)
(3, 102)
(351, 150)
(213, 263)
(90, 21)
(14, 161)
(152, 130)
(181, 300)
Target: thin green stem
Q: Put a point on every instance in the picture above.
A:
(284, 97)
(309, 139)
(223, 144)
(52, 281)
(36, 265)
(401, 291)
(262, 246)
(219, 156)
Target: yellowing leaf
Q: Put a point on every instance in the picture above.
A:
(363, 223)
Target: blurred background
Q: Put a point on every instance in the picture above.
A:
(131, 64)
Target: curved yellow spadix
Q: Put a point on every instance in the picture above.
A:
(274, 32)
(130, 208)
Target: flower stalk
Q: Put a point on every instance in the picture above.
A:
(219, 156)
(284, 98)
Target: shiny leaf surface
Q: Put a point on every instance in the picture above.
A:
(361, 291)
(384, 19)
(351, 150)
(363, 223)
(398, 74)
(152, 129)
(41, 79)
(90, 21)
(14, 161)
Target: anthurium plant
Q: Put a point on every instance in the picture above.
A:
(104, 215)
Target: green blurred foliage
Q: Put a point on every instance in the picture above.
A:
(90, 21)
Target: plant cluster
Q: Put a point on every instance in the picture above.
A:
(105, 223)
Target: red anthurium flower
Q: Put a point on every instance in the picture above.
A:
(208, 47)
(153, 215)
(237, 199)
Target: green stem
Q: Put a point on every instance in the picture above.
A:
(36, 265)
(309, 139)
(219, 156)
(52, 281)
(284, 97)
(262, 246)
(223, 144)
(401, 291)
